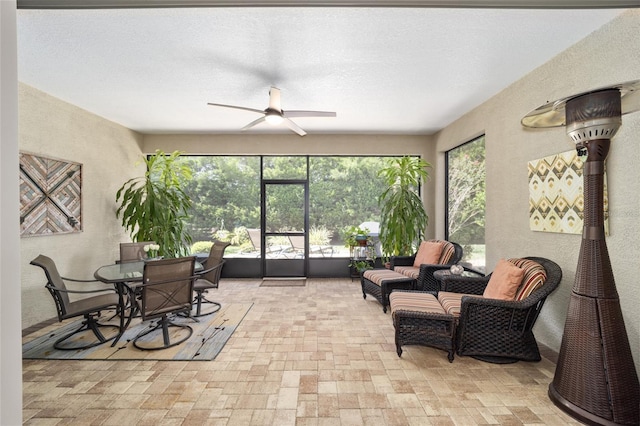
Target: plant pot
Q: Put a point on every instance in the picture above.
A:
(361, 240)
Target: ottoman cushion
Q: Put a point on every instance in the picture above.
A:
(378, 276)
(417, 302)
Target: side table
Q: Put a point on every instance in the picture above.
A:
(441, 274)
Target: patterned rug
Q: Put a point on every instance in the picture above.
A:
(210, 333)
(284, 282)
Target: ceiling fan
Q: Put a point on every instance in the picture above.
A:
(274, 114)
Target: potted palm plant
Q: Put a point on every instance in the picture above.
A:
(403, 217)
(153, 207)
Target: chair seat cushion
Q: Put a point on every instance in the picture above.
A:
(203, 284)
(451, 302)
(414, 302)
(92, 304)
(378, 276)
(408, 271)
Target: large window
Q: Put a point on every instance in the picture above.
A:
(343, 191)
(466, 175)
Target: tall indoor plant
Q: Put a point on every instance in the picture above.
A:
(403, 217)
(153, 207)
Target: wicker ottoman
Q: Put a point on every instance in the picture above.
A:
(419, 319)
(381, 282)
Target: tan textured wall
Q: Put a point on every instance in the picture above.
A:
(108, 153)
(607, 56)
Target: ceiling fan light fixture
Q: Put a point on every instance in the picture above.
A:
(273, 118)
(274, 115)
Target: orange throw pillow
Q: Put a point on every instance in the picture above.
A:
(429, 253)
(504, 281)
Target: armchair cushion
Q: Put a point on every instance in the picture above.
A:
(504, 281)
(534, 277)
(451, 302)
(409, 271)
(429, 252)
(448, 253)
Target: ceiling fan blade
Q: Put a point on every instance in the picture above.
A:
(254, 122)
(274, 99)
(293, 126)
(237, 107)
(308, 113)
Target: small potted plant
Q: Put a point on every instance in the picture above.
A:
(356, 236)
(361, 265)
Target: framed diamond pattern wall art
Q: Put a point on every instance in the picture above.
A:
(50, 196)
(556, 200)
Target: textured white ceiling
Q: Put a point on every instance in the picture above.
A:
(383, 70)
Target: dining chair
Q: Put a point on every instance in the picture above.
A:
(166, 291)
(133, 252)
(90, 307)
(209, 278)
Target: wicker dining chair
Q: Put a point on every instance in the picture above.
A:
(167, 290)
(89, 307)
(209, 279)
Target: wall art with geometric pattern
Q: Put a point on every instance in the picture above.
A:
(50, 196)
(556, 199)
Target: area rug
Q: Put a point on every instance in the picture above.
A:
(210, 333)
(284, 282)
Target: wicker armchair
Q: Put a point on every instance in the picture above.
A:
(499, 331)
(424, 275)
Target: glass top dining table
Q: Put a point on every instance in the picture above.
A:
(126, 272)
